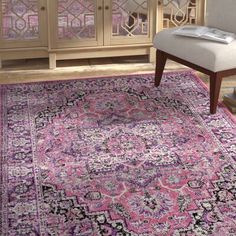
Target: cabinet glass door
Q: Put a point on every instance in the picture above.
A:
(21, 23)
(77, 23)
(179, 12)
(130, 20)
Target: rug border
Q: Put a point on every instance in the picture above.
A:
(220, 103)
(1, 159)
(190, 71)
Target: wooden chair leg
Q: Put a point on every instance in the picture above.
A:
(161, 58)
(215, 84)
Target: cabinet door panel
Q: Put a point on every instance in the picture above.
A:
(130, 21)
(21, 23)
(76, 23)
(175, 13)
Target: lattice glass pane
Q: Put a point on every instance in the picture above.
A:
(20, 20)
(76, 19)
(179, 12)
(130, 18)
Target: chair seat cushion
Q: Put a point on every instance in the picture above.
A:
(210, 55)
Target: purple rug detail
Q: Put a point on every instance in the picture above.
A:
(116, 157)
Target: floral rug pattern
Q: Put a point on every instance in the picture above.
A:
(116, 157)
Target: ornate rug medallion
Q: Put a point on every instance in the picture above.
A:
(116, 156)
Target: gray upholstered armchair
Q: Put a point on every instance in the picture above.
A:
(214, 59)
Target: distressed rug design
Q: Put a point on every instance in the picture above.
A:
(116, 157)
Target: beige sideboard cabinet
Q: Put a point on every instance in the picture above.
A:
(74, 29)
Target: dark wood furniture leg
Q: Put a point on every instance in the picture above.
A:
(161, 58)
(215, 84)
(215, 77)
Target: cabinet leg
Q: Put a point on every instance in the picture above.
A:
(152, 55)
(0, 62)
(52, 60)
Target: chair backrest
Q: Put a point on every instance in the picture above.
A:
(221, 14)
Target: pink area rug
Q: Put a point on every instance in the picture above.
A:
(116, 157)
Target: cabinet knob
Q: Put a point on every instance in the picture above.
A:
(99, 8)
(43, 8)
(106, 7)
